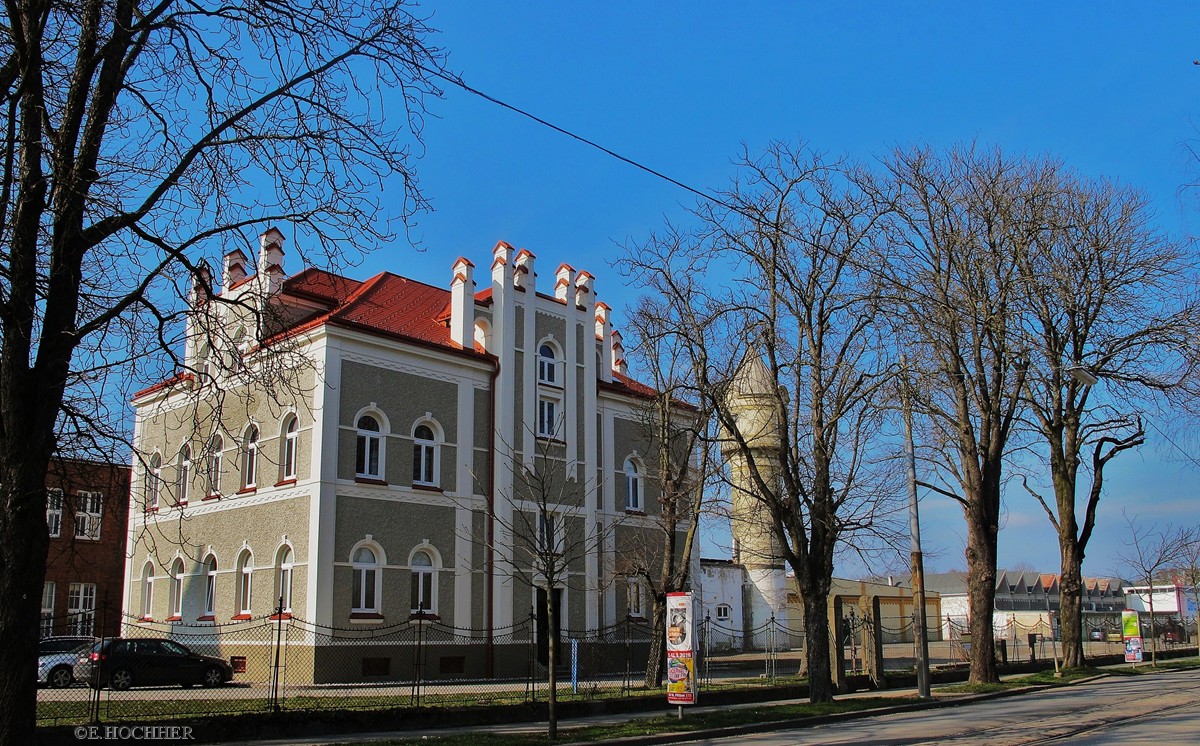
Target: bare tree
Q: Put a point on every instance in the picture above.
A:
(679, 463)
(960, 224)
(1103, 299)
(139, 138)
(1190, 571)
(789, 357)
(1149, 552)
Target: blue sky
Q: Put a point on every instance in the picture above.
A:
(1109, 88)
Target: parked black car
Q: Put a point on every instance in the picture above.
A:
(123, 662)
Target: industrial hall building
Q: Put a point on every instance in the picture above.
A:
(360, 454)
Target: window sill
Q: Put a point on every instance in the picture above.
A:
(277, 617)
(210, 497)
(427, 487)
(286, 482)
(365, 617)
(551, 439)
(370, 480)
(631, 511)
(424, 617)
(181, 504)
(152, 510)
(247, 491)
(550, 385)
(206, 618)
(175, 618)
(240, 617)
(146, 619)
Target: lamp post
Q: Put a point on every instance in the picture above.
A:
(914, 527)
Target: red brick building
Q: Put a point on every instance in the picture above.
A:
(87, 512)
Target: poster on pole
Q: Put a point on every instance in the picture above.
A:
(681, 662)
(1132, 632)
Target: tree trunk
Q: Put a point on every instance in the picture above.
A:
(23, 545)
(816, 647)
(981, 591)
(1070, 605)
(551, 674)
(656, 659)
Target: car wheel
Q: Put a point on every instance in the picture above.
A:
(213, 677)
(121, 679)
(61, 677)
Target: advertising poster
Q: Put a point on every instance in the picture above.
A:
(1132, 633)
(681, 662)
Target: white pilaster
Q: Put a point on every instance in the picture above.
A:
(524, 273)
(465, 487)
(322, 514)
(504, 332)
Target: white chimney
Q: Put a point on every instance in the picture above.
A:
(564, 282)
(604, 333)
(462, 303)
(233, 269)
(201, 284)
(501, 263)
(585, 290)
(270, 260)
(618, 354)
(524, 277)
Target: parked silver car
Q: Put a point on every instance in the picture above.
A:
(57, 657)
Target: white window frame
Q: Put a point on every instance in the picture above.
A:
(89, 514)
(148, 591)
(366, 574)
(364, 440)
(81, 608)
(550, 417)
(250, 458)
(245, 589)
(728, 612)
(54, 512)
(176, 589)
(284, 563)
(634, 498)
(210, 585)
(183, 474)
(214, 465)
(49, 591)
(424, 582)
(427, 454)
(635, 599)
(153, 481)
(291, 446)
(550, 369)
(552, 541)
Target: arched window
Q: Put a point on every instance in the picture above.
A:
(210, 586)
(365, 597)
(250, 458)
(291, 443)
(422, 595)
(245, 582)
(177, 588)
(213, 472)
(206, 367)
(153, 481)
(547, 362)
(183, 474)
(283, 571)
(148, 591)
(367, 461)
(425, 456)
(633, 486)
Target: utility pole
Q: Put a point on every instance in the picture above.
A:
(914, 527)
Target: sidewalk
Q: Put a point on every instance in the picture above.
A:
(566, 725)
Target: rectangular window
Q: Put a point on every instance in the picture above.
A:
(548, 532)
(422, 591)
(54, 506)
(89, 507)
(81, 608)
(366, 461)
(634, 591)
(549, 417)
(289, 454)
(244, 592)
(47, 627)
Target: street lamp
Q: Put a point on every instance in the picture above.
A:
(1083, 375)
(914, 527)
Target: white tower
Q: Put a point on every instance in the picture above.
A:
(753, 402)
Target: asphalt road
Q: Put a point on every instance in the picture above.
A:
(1160, 709)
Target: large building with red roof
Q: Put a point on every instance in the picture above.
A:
(363, 454)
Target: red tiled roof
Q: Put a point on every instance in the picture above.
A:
(319, 285)
(397, 306)
(177, 378)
